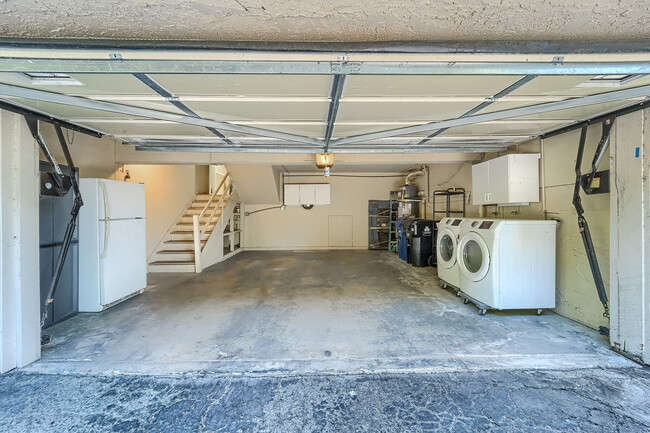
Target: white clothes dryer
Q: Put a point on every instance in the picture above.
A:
(447, 251)
(508, 264)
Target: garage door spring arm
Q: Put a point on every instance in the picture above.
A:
(78, 202)
(577, 202)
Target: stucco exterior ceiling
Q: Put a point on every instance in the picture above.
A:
(336, 20)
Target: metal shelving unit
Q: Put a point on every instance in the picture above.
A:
(379, 223)
(448, 194)
(392, 233)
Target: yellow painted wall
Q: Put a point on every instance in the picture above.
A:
(95, 157)
(576, 296)
(168, 191)
(297, 228)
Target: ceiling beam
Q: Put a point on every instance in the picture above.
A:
(487, 102)
(176, 102)
(335, 99)
(306, 150)
(499, 115)
(126, 66)
(399, 47)
(79, 102)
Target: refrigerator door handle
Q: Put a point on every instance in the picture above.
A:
(107, 219)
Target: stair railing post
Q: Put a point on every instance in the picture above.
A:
(197, 243)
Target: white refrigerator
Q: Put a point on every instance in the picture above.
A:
(112, 243)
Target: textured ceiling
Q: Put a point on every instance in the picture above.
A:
(335, 20)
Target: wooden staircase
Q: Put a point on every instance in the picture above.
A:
(176, 252)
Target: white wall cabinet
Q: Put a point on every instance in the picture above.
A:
(306, 194)
(509, 180)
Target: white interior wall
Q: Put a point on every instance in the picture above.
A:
(630, 237)
(19, 252)
(168, 191)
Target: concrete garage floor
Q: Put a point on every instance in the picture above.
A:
(337, 311)
(321, 341)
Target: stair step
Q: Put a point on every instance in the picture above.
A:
(197, 211)
(204, 197)
(176, 256)
(186, 236)
(171, 262)
(182, 227)
(180, 245)
(202, 203)
(167, 266)
(189, 219)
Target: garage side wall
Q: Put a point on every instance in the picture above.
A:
(19, 252)
(630, 237)
(576, 296)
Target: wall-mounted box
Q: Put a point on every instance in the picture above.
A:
(509, 180)
(306, 194)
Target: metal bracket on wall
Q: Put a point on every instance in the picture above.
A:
(582, 221)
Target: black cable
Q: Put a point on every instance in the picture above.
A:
(261, 210)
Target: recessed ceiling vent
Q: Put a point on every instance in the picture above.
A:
(609, 80)
(50, 79)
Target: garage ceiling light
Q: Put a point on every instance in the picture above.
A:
(325, 161)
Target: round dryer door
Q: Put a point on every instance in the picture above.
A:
(446, 248)
(473, 257)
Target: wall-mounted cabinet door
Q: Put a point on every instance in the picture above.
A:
(498, 184)
(307, 194)
(322, 194)
(508, 180)
(292, 195)
(480, 187)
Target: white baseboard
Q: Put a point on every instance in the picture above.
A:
(303, 248)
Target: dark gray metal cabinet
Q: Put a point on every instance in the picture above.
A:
(54, 215)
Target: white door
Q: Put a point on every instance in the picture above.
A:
(123, 260)
(473, 257)
(340, 230)
(446, 248)
(120, 200)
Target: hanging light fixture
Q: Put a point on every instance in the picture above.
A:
(325, 161)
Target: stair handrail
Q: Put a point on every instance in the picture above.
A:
(199, 228)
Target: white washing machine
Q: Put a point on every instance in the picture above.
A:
(508, 264)
(447, 251)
